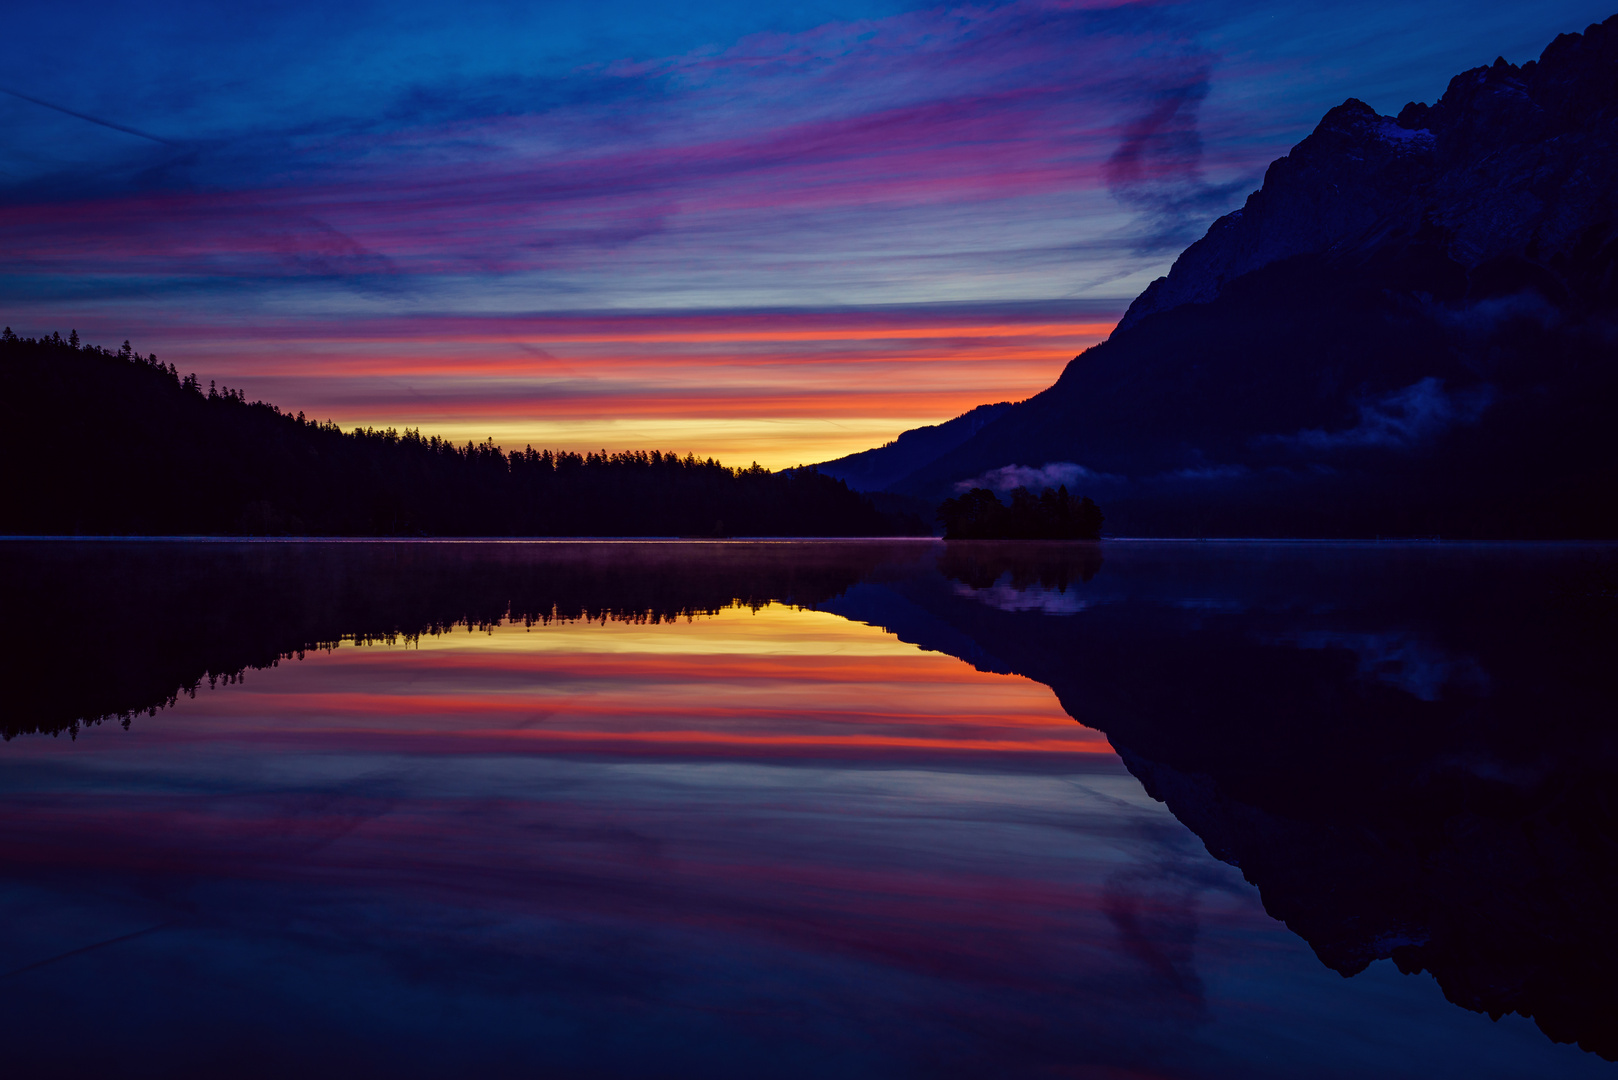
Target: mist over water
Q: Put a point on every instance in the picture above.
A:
(807, 809)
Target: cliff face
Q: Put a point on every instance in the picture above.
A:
(1411, 328)
(1516, 168)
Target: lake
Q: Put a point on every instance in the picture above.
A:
(808, 809)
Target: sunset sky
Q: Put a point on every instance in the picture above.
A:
(775, 233)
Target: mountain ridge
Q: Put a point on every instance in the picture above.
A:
(877, 468)
(1408, 330)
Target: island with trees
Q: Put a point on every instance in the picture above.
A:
(1053, 514)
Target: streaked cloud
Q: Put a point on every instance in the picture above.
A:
(1053, 474)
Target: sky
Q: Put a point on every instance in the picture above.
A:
(772, 233)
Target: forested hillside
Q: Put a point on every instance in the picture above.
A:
(98, 442)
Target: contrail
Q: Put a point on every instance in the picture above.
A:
(88, 948)
(83, 116)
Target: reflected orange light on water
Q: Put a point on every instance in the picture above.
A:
(741, 683)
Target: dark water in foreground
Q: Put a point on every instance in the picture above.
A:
(818, 809)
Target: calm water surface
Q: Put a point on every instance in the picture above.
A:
(807, 810)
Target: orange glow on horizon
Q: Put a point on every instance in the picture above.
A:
(539, 334)
(780, 389)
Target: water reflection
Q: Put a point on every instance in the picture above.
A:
(724, 809)
(1035, 576)
(1408, 749)
(116, 629)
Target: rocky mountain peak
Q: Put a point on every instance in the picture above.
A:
(1512, 162)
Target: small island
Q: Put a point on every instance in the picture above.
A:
(1051, 515)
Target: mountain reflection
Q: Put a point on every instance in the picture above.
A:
(1409, 750)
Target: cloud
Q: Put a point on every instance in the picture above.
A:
(1157, 168)
(972, 141)
(1051, 474)
(1398, 419)
(1208, 473)
(1004, 596)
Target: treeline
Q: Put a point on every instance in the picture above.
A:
(115, 443)
(1050, 515)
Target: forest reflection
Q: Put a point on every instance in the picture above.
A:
(116, 629)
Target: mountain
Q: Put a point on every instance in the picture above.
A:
(1410, 329)
(874, 470)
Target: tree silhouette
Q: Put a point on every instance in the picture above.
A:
(1051, 515)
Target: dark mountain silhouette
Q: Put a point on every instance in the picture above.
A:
(97, 442)
(874, 470)
(1411, 329)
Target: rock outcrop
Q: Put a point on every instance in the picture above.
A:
(1516, 167)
